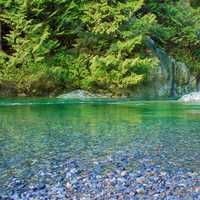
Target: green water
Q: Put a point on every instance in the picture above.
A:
(34, 133)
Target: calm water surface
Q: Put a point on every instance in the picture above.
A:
(36, 133)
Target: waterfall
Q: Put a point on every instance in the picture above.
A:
(172, 71)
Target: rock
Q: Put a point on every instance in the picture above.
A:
(150, 182)
(82, 94)
(123, 173)
(163, 174)
(161, 82)
(151, 173)
(196, 189)
(140, 191)
(69, 186)
(42, 186)
(21, 95)
(140, 180)
(192, 97)
(41, 87)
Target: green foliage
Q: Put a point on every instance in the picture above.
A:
(177, 30)
(93, 44)
(120, 62)
(118, 73)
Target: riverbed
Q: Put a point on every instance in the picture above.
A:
(99, 149)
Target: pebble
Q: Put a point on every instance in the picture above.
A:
(140, 180)
(123, 173)
(69, 186)
(64, 181)
(140, 191)
(196, 189)
(163, 173)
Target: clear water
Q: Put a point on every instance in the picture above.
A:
(36, 133)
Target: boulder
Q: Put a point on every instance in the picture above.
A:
(81, 94)
(191, 97)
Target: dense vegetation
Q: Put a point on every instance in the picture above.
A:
(101, 45)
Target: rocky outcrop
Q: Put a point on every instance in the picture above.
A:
(192, 97)
(82, 94)
(172, 78)
(8, 89)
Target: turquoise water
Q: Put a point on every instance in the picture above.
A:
(34, 133)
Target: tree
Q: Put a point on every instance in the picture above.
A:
(86, 44)
(93, 44)
(117, 34)
(177, 31)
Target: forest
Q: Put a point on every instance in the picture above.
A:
(103, 46)
(99, 99)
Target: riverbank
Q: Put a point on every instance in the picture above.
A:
(51, 89)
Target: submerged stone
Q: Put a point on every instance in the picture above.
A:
(82, 94)
(99, 152)
(140, 190)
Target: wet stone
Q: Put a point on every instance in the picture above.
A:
(66, 182)
(140, 191)
(140, 180)
(123, 173)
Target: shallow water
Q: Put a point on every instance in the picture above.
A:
(40, 134)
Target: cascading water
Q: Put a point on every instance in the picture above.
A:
(176, 79)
